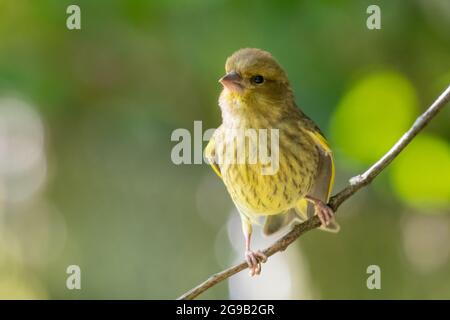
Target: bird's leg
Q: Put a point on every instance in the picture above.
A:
(324, 212)
(254, 258)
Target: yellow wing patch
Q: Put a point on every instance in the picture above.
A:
(210, 154)
(323, 144)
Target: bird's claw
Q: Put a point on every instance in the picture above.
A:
(254, 260)
(325, 213)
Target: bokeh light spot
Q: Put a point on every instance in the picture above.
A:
(425, 241)
(373, 114)
(421, 174)
(23, 165)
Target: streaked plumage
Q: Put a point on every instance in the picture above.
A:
(306, 166)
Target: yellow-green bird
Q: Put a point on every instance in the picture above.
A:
(257, 95)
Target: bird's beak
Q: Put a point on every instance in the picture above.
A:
(232, 81)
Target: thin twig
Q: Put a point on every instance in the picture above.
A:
(356, 183)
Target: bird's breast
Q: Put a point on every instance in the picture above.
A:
(263, 187)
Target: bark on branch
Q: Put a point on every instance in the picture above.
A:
(356, 183)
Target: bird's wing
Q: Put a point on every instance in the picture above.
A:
(210, 154)
(324, 180)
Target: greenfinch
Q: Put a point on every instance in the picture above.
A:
(257, 95)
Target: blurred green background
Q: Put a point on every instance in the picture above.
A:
(86, 118)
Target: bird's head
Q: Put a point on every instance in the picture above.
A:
(255, 77)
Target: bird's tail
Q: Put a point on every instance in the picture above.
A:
(300, 213)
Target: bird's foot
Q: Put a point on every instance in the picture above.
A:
(254, 260)
(324, 212)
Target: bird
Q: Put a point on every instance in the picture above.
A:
(257, 95)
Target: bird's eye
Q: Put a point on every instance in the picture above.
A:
(257, 79)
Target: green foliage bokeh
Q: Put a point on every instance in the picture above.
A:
(109, 96)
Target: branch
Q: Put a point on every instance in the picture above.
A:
(356, 183)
